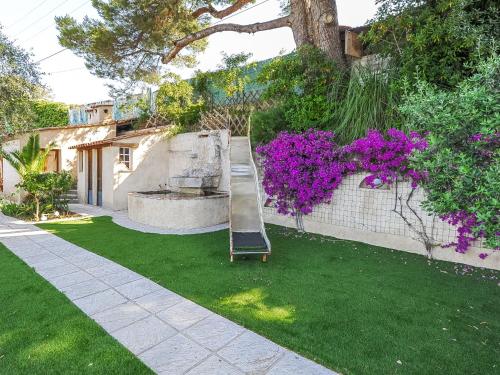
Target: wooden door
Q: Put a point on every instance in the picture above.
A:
(90, 199)
(1, 174)
(99, 176)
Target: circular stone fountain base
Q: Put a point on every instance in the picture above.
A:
(171, 210)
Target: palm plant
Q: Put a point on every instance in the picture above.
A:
(30, 159)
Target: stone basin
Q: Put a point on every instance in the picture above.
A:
(177, 210)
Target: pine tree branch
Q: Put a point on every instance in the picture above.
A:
(220, 13)
(252, 28)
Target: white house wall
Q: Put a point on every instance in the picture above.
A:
(10, 175)
(149, 169)
(62, 139)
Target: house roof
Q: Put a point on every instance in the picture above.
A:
(104, 123)
(109, 141)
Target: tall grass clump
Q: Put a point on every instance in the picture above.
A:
(369, 103)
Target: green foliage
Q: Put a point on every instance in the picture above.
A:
(48, 114)
(30, 159)
(463, 157)
(303, 83)
(313, 93)
(439, 41)
(266, 125)
(45, 191)
(231, 76)
(20, 84)
(175, 101)
(369, 102)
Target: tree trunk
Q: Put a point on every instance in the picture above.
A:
(315, 22)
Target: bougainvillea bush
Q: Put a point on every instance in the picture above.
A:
(302, 170)
(463, 157)
(386, 157)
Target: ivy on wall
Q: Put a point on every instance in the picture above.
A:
(48, 114)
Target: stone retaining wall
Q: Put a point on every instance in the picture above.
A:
(366, 215)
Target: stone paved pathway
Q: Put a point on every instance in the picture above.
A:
(169, 333)
(121, 218)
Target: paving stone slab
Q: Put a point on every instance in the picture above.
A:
(56, 262)
(88, 260)
(100, 301)
(160, 300)
(61, 282)
(174, 356)
(138, 288)
(26, 251)
(251, 353)
(144, 334)
(54, 272)
(183, 315)
(292, 363)
(214, 365)
(43, 256)
(67, 250)
(214, 332)
(120, 278)
(120, 316)
(84, 289)
(105, 269)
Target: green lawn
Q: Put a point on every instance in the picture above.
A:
(356, 308)
(42, 332)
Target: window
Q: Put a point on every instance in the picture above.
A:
(124, 155)
(80, 160)
(105, 111)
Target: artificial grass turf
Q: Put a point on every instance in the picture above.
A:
(356, 308)
(42, 332)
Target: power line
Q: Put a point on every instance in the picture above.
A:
(51, 24)
(27, 14)
(48, 57)
(40, 18)
(241, 11)
(67, 70)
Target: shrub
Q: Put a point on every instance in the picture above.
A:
(369, 103)
(49, 114)
(303, 83)
(439, 41)
(301, 170)
(175, 101)
(45, 191)
(266, 125)
(463, 157)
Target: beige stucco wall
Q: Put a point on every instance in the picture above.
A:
(10, 175)
(62, 138)
(156, 158)
(149, 168)
(366, 215)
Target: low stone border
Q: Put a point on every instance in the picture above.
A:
(121, 218)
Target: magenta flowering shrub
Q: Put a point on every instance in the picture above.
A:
(385, 157)
(302, 170)
(466, 222)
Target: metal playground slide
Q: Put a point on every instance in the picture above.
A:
(246, 225)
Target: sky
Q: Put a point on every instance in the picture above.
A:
(31, 24)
